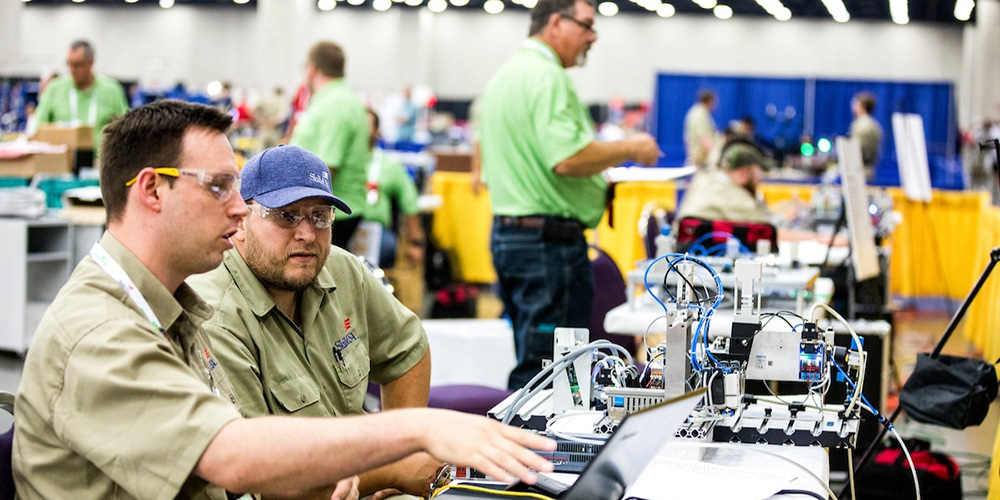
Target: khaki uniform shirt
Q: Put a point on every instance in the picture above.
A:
(352, 329)
(698, 124)
(712, 195)
(108, 406)
(868, 133)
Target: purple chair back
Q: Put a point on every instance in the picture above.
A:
(609, 292)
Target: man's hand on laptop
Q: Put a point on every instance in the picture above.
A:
(499, 451)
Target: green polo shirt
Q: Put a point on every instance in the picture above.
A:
(531, 120)
(335, 128)
(108, 407)
(352, 330)
(54, 105)
(393, 184)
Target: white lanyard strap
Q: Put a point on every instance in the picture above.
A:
(541, 48)
(110, 266)
(74, 112)
(374, 171)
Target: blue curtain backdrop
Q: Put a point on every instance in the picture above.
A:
(785, 109)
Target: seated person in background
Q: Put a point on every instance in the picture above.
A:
(729, 193)
(300, 326)
(121, 395)
(389, 185)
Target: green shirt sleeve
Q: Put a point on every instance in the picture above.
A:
(400, 187)
(560, 120)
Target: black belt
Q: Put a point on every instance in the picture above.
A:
(553, 228)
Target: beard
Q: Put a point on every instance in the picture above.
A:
(270, 269)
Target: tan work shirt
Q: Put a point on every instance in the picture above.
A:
(712, 195)
(108, 406)
(352, 329)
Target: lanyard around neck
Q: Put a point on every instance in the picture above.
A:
(541, 48)
(74, 112)
(110, 266)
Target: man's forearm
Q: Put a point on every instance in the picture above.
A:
(410, 390)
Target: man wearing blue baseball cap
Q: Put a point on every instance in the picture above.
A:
(301, 326)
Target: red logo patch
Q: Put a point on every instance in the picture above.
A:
(347, 324)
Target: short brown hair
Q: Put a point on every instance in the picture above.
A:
(149, 136)
(88, 50)
(706, 97)
(544, 9)
(328, 58)
(867, 101)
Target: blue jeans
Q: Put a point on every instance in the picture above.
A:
(543, 284)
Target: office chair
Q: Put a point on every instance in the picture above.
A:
(609, 292)
(653, 217)
(6, 450)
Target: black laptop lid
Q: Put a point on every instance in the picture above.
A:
(631, 448)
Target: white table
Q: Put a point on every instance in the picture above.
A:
(470, 351)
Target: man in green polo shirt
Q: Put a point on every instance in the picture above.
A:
(301, 327)
(542, 166)
(335, 128)
(389, 185)
(82, 98)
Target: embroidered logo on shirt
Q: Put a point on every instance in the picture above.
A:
(347, 324)
(344, 342)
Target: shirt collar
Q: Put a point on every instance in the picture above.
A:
(253, 290)
(165, 306)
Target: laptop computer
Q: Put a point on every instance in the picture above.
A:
(624, 456)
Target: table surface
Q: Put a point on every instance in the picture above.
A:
(470, 351)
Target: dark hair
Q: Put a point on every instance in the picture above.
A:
(706, 96)
(545, 8)
(328, 58)
(149, 136)
(867, 101)
(88, 50)
(374, 115)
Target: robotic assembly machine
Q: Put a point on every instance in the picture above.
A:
(600, 379)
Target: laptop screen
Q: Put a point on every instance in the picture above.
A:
(631, 448)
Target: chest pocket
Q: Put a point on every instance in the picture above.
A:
(295, 393)
(352, 365)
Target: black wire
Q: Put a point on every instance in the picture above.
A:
(797, 315)
(698, 299)
(771, 316)
(802, 492)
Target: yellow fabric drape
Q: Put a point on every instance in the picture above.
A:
(462, 226)
(622, 241)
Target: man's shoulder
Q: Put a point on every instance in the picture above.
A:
(108, 82)
(212, 286)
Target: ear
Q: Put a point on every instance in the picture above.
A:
(553, 22)
(147, 189)
(241, 230)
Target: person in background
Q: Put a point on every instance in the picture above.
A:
(121, 395)
(730, 192)
(83, 98)
(407, 117)
(867, 131)
(269, 114)
(301, 327)
(543, 170)
(390, 186)
(700, 132)
(335, 128)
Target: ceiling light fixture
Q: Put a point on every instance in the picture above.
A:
(963, 9)
(666, 10)
(437, 6)
(723, 11)
(607, 9)
(383, 5)
(326, 5)
(166, 4)
(837, 10)
(899, 11)
(493, 6)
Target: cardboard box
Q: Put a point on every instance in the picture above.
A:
(28, 166)
(453, 162)
(73, 137)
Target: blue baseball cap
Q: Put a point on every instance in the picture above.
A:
(283, 175)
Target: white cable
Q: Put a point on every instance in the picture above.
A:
(765, 451)
(850, 472)
(906, 452)
(567, 437)
(857, 341)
